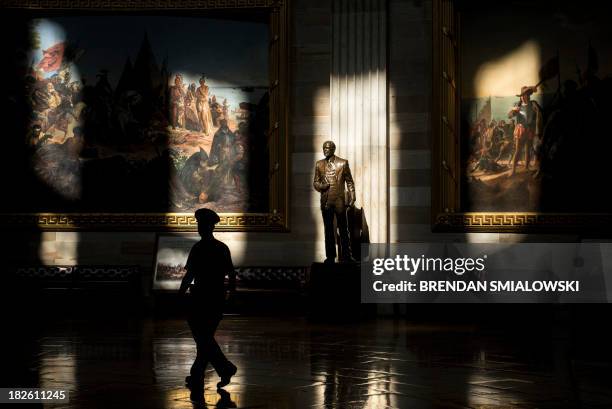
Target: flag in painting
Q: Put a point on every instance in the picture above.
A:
(52, 58)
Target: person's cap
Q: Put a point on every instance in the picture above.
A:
(207, 216)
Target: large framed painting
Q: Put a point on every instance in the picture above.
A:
(520, 121)
(132, 115)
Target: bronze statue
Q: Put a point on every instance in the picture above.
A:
(331, 174)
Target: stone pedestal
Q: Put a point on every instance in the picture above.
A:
(334, 293)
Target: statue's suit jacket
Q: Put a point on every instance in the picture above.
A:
(336, 185)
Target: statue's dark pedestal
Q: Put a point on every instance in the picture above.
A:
(335, 293)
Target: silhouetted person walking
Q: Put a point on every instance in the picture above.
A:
(208, 263)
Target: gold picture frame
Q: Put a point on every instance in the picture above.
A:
(277, 218)
(447, 214)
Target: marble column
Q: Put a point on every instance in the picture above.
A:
(358, 87)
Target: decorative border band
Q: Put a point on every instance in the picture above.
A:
(140, 221)
(522, 221)
(251, 276)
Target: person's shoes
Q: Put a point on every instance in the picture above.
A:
(225, 378)
(348, 259)
(329, 261)
(225, 400)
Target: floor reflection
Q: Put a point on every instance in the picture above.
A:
(291, 363)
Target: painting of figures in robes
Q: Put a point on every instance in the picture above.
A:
(536, 92)
(141, 113)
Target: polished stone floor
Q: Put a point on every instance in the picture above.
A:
(293, 363)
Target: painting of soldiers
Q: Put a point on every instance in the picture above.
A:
(138, 123)
(528, 115)
(534, 103)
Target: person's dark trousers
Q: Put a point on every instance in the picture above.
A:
(330, 238)
(203, 327)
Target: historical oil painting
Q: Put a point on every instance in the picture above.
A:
(143, 113)
(536, 96)
(172, 253)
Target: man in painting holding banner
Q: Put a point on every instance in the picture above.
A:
(527, 132)
(527, 115)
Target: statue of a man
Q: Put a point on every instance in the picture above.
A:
(331, 175)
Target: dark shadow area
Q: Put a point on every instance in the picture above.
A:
(20, 246)
(568, 341)
(569, 153)
(572, 158)
(569, 159)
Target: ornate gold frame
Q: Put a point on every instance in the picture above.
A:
(277, 219)
(446, 214)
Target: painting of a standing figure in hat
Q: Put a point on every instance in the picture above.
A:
(143, 113)
(536, 93)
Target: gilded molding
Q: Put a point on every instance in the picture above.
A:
(140, 221)
(520, 222)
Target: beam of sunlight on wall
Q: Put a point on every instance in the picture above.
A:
(359, 122)
(482, 237)
(358, 95)
(506, 76)
(59, 248)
